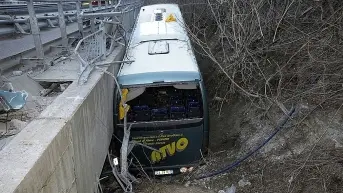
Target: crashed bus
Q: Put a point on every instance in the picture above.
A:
(165, 92)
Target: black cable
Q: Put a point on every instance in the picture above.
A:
(239, 161)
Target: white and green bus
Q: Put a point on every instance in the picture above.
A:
(166, 94)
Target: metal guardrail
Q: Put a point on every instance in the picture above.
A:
(20, 24)
(116, 22)
(33, 22)
(20, 8)
(91, 48)
(113, 30)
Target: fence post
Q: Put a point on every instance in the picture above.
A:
(35, 30)
(103, 41)
(62, 24)
(79, 18)
(92, 23)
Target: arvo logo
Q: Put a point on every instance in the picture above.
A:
(169, 149)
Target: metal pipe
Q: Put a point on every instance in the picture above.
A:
(6, 20)
(62, 24)
(5, 17)
(35, 30)
(95, 15)
(14, 21)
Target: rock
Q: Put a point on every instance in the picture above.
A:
(17, 73)
(16, 124)
(243, 182)
(7, 87)
(64, 86)
(337, 144)
(187, 183)
(44, 92)
(232, 189)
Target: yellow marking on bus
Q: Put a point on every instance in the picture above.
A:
(170, 18)
(121, 104)
(169, 149)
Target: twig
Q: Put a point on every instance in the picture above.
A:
(283, 15)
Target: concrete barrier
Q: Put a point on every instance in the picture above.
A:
(64, 149)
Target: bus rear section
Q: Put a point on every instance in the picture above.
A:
(168, 112)
(167, 122)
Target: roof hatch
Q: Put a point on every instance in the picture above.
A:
(158, 47)
(158, 14)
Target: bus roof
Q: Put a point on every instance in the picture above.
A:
(161, 50)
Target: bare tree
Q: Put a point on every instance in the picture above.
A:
(269, 51)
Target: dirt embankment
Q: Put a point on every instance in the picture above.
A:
(305, 156)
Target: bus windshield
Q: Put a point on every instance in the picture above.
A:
(162, 103)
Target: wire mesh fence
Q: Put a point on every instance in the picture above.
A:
(113, 31)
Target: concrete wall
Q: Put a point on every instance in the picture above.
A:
(64, 149)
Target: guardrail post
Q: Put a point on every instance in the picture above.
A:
(90, 6)
(132, 18)
(62, 24)
(91, 21)
(35, 30)
(79, 17)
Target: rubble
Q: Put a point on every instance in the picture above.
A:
(17, 73)
(16, 124)
(243, 182)
(63, 86)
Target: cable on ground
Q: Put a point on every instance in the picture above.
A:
(239, 161)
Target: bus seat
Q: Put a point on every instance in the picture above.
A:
(192, 99)
(141, 113)
(159, 114)
(194, 109)
(177, 112)
(141, 108)
(175, 96)
(176, 103)
(130, 116)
